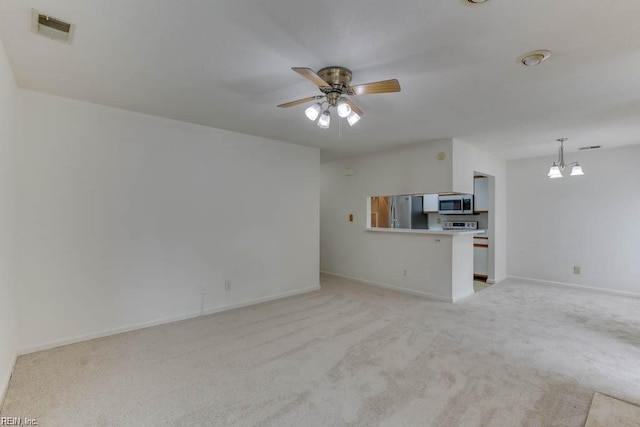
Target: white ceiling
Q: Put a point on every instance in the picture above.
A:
(227, 64)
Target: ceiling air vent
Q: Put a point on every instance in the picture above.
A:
(592, 147)
(51, 27)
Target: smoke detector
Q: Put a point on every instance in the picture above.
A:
(472, 2)
(535, 58)
(50, 27)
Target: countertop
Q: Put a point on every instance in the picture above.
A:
(423, 231)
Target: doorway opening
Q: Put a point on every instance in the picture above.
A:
(483, 247)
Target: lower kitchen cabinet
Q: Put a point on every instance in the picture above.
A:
(480, 259)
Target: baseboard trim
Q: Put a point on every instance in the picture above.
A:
(392, 287)
(143, 325)
(463, 296)
(496, 280)
(4, 386)
(574, 285)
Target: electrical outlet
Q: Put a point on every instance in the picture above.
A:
(203, 291)
(404, 273)
(227, 285)
(439, 220)
(576, 269)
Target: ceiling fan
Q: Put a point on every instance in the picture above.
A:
(335, 83)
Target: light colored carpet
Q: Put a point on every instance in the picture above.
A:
(513, 354)
(606, 411)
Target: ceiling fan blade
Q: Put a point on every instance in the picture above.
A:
(384, 86)
(298, 102)
(353, 106)
(311, 75)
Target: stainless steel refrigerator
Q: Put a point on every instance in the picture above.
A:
(406, 212)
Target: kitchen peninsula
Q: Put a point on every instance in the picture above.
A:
(441, 260)
(424, 259)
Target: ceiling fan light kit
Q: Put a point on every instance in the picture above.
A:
(335, 84)
(555, 171)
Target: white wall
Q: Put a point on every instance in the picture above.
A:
(346, 249)
(124, 217)
(467, 160)
(589, 221)
(7, 283)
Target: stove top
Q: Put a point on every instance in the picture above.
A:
(460, 225)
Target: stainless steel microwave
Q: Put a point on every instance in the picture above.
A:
(459, 204)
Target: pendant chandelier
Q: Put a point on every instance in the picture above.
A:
(556, 169)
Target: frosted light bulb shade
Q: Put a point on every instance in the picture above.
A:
(313, 112)
(533, 60)
(577, 170)
(554, 172)
(324, 120)
(343, 108)
(353, 118)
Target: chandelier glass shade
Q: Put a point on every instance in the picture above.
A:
(554, 171)
(576, 170)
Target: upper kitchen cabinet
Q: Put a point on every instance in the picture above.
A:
(430, 203)
(481, 194)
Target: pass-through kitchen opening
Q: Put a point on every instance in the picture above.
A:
(443, 212)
